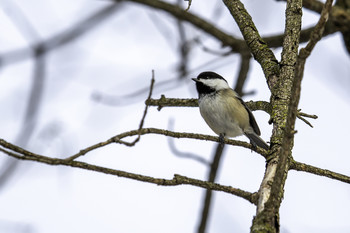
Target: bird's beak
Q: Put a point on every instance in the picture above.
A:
(196, 80)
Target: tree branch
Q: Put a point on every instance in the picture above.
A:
(272, 187)
(294, 165)
(118, 139)
(339, 17)
(255, 42)
(285, 102)
(302, 116)
(22, 154)
(208, 194)
(174, 102)
(237, 45)
(243, 73)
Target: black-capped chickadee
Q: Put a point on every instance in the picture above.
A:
(224, 111)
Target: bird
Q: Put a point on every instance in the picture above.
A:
(224, 111)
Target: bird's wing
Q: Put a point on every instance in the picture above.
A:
(252, 120)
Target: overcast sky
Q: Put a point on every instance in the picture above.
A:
(113, 62)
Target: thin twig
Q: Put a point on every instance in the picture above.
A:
(305, 121)
(98, 145)
(148, 98)
(189, 4)
(306, 115)
(301, 116)
(317, 33)
(184, 47)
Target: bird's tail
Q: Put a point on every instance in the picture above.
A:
(255, 140)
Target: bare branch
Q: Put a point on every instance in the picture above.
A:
(294, 165)
(35, 96)
(243, 73)
(317, 33)
(255, 42)
(301, 116)
(22, 154)
(189, 4)
(272, 187)
(118, 139)
(208, 194)
(306, 115)
(305, 121)
(184, 47)
(339, 16)
(226, 39)
(174, 102)
(287, 95)
(304, 53)
(313, 5)
(146, 107)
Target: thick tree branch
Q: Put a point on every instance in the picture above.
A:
(272, 187)
(291, 74)
(255, 42)
(285, 100)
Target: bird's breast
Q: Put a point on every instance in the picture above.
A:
(224, 115)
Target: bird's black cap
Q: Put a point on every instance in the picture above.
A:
(202, 88)
(210, 75)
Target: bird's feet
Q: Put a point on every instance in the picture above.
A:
(222, 139)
